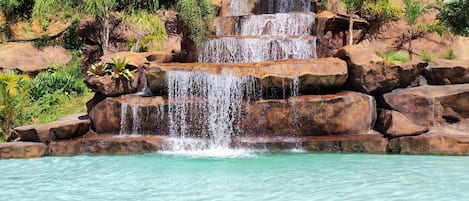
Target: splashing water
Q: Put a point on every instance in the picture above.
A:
(207, 106)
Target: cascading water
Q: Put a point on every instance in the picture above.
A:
(265, 48)
(205, 105)
(283, 6)
(275, 24)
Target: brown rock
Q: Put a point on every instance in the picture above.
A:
(106, 144)
(312, 115)
(448, 72)
(395, 124)
(425, 105)
(108, 85)
(26, 58)
(363, 143)
(134, 59)
(313, 74)
(22, 150)
(49, 132)
(434, 144)
(370, 74)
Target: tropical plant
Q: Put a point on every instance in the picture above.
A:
(198, 15)
(148, 5)
(99, 69)
(120, 69)
(450, 55)
(46, 10)
(395, 57)
(454, 14)
(434, 27)
(13, 93)
(382, 10)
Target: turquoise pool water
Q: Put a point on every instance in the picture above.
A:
(259, 176)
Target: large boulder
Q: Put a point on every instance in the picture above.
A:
(113, 85)
(313, 75)
(368, 73)
(22, 150)
(29, 59)
(431, 105)
(58, 130)
(311, 115)
(395, 124)
(448, 72)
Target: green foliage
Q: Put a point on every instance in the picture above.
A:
(13, 91)
(413, 11)
(151, 31)
(198, 15)
(426, 56)
(434, 27)
(454, 14)
(351, 5)
(71, 40)
(396, 57)
(100, 9)
(148, 5)
(46, 10)
(450, 55)
(383, 10)
(120, 69)
(99, 69)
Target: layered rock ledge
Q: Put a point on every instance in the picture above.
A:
(312, 74)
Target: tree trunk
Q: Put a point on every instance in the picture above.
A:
(410, 43)
(105, 33)
(350, 30)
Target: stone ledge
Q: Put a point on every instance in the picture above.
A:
(431, 144)
(22, 150)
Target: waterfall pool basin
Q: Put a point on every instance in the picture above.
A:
(241, 176)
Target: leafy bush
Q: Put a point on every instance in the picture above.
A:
(383, 10)
(450, 55)
(454, 14)
(99, 69)
(396, 57)
(198, 15)
(13, 93)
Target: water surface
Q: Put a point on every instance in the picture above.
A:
(253, 176)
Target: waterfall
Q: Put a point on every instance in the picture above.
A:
(244, 50)
(205, 105)
(284, 6)
(275, 24)
(124, 124)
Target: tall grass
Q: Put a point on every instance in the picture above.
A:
(396, 57)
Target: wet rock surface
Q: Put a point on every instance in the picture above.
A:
(22, 150)
(394, 124)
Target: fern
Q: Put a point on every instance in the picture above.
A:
(148, 27)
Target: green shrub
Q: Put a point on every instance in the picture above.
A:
(450, 55)
(99, 69)
(425, 56)
(454, 14)
(149, 28)
(396, 57)
(13, 97)
(198, 15)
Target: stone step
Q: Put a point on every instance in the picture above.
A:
(313, 115)
(9, 150)
(46, 133)
(249, 7)
(311, 75)
(267, 24)
(246, 49)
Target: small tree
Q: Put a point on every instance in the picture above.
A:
(198, 14)
(413, 11)
(454, 14)
(351, 7)
(101, 10)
